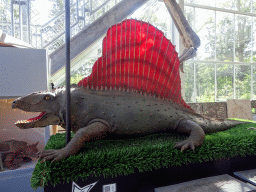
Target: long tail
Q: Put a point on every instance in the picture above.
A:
(212, 126)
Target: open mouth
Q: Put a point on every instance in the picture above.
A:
(31, 120)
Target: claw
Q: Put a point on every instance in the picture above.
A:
(38, 153)
(187, 54)
(53, 160)
(43, 160)
(185, 145)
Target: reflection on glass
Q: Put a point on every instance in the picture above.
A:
(205, 29)
(225, 78)
(190, 16)
(254, 6)
(243, 43)
(243, 82)
(189, 82)
(254, 41)
(244, 6)
(224, 36)
(254, 82)
(205, 84)
(226, 4)
(207, 3)
(189, 1)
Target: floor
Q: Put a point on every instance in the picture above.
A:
(18, 179)
(24, 165)
(220, 183)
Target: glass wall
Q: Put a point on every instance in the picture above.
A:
(225, 64)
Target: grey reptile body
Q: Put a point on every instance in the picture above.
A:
(131, 113)
(96, 114)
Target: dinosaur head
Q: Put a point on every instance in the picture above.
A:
(47, 103)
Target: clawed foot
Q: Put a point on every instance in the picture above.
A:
(55, 154)
(186, 144)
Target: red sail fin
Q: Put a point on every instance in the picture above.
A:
(137, 56)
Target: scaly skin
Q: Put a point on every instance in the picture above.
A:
(96, 114)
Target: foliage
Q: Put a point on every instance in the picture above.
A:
(230, 78)
(206, 97)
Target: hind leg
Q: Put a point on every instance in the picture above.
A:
(196, 137)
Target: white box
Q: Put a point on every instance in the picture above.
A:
(22, 71)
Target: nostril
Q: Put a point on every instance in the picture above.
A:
(14, 103)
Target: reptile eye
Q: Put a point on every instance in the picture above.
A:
(47, 98)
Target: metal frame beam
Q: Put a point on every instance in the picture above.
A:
(67, 50)
(220, 9)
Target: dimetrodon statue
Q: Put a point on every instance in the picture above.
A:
(134, 89)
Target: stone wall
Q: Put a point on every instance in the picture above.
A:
(216, 110)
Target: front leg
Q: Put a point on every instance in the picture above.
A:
(196, 137)
(96, 130)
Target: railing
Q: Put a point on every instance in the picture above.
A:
(83, 13)
(20, 19)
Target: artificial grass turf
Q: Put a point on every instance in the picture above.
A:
(122, 157)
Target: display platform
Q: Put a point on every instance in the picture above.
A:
(149, 180)
(145, 163)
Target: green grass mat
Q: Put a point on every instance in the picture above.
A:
(122, 157)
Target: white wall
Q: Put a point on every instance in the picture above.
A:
(22, 71)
